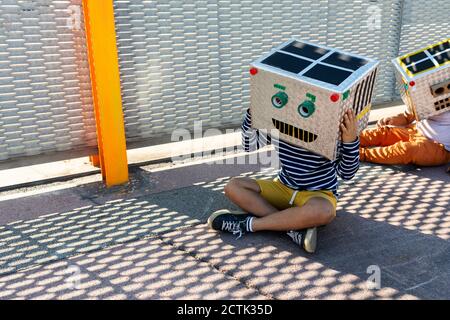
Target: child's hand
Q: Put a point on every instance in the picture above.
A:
(386, 121)
(398, 120)
(349, 126)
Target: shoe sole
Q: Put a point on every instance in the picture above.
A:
(217, 213)
(310, 241)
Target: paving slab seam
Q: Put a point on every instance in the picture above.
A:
(422, 284)
(408, 286)
(80, 267)
(74, 255)
(104, 196)
(94, 275)
(388, 268)
(231, 275)
(101, 247)
(418, 259)
(119, 289)
(35, 243)
(60, 257)
(394, 275)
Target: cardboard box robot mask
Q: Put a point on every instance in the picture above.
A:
(302, 90)
(424, 79)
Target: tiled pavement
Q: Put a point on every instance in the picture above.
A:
(148, 240)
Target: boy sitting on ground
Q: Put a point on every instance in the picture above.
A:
(397, 140)
(300, 199)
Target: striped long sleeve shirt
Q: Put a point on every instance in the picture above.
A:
(302, 169)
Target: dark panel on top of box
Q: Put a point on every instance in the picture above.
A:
(414, 58)
(345, 61)
(327, 74)
(443, 57)
(439, 48)
(286, 62)
(421, 66)
(305, 50)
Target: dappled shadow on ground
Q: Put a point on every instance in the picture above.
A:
(387, 218)
(56, 236)
(157, 246)
(144, 269)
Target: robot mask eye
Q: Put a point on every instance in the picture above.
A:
(279, 99)
(306, 108)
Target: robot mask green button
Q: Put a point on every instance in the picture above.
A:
(279, 99)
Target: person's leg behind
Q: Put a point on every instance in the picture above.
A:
(428, 152)
(419, 151)
(384, 136)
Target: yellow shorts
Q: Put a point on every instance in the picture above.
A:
(283, 197)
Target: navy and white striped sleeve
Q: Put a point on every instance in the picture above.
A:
(348, 163)
(252, 139)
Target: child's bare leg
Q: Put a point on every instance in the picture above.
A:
(245, 193)
(315, 212)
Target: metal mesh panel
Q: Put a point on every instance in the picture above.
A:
(370, 28)
(45, 93)
(182, 61)
(424, 23)
(247, 30)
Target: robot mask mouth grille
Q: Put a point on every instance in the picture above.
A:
(294, 132)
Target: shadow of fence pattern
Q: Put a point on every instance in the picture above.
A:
(155, 247)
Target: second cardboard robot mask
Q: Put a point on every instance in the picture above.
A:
(424, 80)
(302, 90)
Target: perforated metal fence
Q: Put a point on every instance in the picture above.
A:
(183, 61)
(423, 23)
(45, 91)
(180, 61)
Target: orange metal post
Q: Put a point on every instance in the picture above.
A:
(104, 70)
(95, 160)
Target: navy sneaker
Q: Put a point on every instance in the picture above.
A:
(306, 238)
(235, 222)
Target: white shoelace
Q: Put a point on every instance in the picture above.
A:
(296, 237)
(233, 227)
